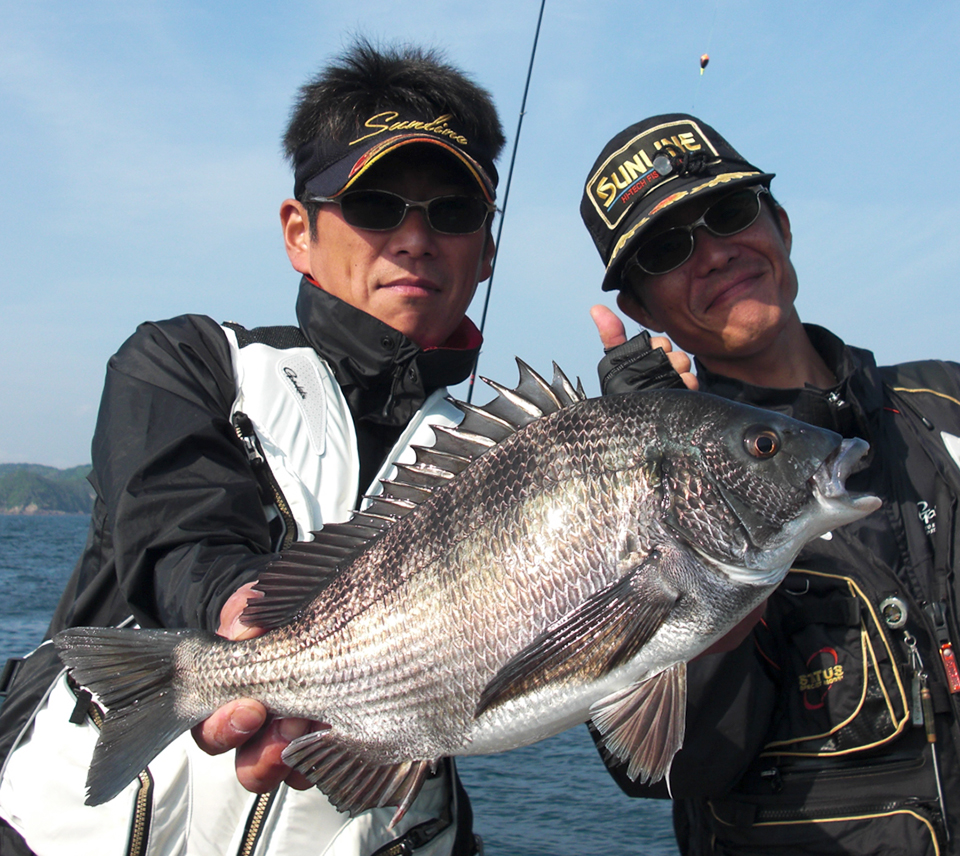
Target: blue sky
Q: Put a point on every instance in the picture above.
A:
(141, 176)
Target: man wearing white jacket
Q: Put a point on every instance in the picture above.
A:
(218, 445)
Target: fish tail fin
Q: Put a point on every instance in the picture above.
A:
(136, 675)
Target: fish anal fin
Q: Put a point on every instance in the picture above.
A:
(644, 723)
(604, 632)
(352, 783)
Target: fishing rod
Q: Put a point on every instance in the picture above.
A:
(506, 196)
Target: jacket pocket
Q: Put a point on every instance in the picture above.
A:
(842, 690)
(845, 807)
(898, 831)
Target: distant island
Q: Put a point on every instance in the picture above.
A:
(36, 489)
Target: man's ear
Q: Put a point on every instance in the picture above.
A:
(781, 215)
(296, 234)
(486, 260)
(633, 308)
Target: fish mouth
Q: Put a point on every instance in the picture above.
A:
(829, 481)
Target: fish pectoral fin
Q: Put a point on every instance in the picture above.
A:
(352, 783)
(605, 631)
(644, 723)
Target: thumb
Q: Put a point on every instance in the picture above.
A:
(609, 326)
(230, 624)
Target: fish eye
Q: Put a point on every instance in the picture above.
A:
(761, 442)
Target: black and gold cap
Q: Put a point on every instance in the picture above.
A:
(644, 171)
(327, 167)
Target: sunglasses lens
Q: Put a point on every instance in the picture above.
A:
(381, 210)
(733, 213)
(666, 251)
(727, 216)
(457, 215)
(372, 209)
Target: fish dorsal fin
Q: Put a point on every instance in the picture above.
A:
(305, 568)
(482, 428)
(294, 580)
(512, 409)
(285, 588)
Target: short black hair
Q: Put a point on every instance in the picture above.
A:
(366, 79)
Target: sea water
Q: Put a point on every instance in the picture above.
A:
(551, 799)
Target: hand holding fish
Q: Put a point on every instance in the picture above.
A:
(243, 724)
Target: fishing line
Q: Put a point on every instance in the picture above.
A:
(506, 196)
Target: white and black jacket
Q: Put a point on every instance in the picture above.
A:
(215, 446)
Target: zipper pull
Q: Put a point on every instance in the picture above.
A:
(835, 400)
(773, 778)
(937, 615)
(243, 425)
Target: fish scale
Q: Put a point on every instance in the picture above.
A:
(552, 560)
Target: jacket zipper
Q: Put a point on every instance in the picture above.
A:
(270, 490)
(770, 815)
(251, 835)
(142, 814)
(143, 803)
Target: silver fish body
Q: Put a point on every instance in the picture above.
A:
(552, 561)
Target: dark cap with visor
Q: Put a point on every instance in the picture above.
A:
(644, 172)
(327, 167)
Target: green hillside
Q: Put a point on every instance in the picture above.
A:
(36, 489)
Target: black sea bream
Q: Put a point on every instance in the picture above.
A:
(551, 561)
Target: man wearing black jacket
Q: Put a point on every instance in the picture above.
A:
(832, 729)
(216, 446)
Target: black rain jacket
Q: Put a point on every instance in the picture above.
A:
(810, 737)
(178, 523)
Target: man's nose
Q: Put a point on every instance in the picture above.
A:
(711, 252)
(414, 235)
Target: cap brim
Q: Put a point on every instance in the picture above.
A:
(342, 175)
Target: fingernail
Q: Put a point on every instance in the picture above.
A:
(246, 719)
(291, 729)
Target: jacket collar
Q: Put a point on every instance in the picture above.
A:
(851, 408)
(384, 376)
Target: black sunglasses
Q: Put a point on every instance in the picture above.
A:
(731, 214)
(381, 210)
